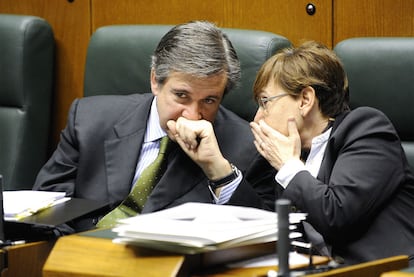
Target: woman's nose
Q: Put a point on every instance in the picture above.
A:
(259, 115)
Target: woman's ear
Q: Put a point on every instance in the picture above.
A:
(154, 84)
(307, 100)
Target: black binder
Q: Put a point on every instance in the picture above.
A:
(43, 225)
(63, 212)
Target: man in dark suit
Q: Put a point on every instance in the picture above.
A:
(110, 140)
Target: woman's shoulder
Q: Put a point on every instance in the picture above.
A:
(366, 110)
(363, 120)
(365, 113)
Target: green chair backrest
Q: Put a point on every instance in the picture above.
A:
(381, 75)
(26, 80)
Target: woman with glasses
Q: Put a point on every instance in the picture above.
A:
(345, 168)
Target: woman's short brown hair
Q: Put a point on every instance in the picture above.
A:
(311, 64)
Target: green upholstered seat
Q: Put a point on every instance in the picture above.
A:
(381, 75)
(26, 80)
(119, 56)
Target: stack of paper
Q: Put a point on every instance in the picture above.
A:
(23, 203)
(198, 227)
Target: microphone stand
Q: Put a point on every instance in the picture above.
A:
(283, 242)
(283, 246)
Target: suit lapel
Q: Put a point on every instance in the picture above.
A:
(121, 153)
(331, 152)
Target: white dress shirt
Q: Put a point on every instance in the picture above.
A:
(312, 164)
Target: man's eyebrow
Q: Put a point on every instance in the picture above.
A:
(180, 90)
(185, 91)
(213, 96)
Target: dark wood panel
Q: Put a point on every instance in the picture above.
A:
(108, 12)
(287, 18)
(355, 18)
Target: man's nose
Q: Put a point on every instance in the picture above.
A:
(193, 112)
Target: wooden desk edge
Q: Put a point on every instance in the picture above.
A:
(32, 255)
(78, 255)
(397, 274)
(372, 268)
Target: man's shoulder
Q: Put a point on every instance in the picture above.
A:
(226, 116)
(235, 138)
(230, 125)
(111, 100)
(108, 109)
(109, 104)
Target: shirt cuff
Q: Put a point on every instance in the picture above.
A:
(227, 191)
(288, 171)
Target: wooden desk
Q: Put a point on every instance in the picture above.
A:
(405, 272)
(368, 269)
(80, 255)
(26, 259)
(397, 274)
(85, 255)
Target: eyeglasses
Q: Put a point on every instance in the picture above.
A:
(262, 101)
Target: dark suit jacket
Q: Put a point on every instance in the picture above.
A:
(99, 149)
(362, 201)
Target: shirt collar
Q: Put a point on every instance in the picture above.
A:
(322, 138)
(154, 130)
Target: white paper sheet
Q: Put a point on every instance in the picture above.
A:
(22, 203)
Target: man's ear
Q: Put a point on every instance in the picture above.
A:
(307, 100)
(154, 84)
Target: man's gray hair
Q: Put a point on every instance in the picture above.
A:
(198, 48)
